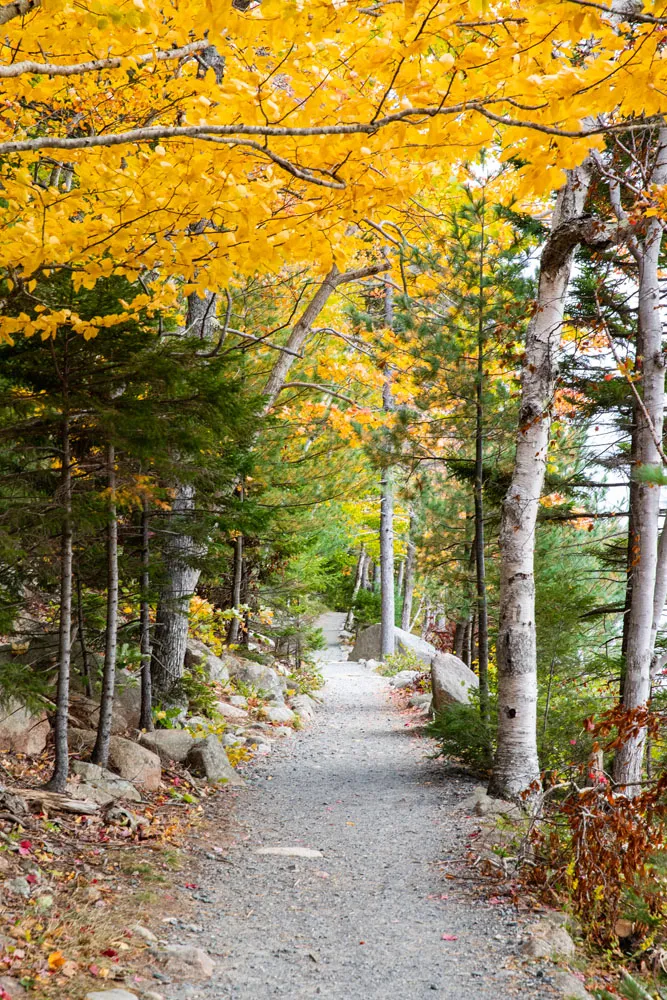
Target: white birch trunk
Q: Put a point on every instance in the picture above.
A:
(409, 579)
(628, 765)
(516, 766)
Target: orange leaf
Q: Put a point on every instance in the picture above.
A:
(56, 960)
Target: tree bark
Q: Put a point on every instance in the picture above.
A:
(387, 564)
(480, 558)
(459, 636)
(146, 718)
(400, 576)
(628, 764)
(516, 767)
(100, 754)
(85, 663)
(234, 625)
(409, 579)
(358, 577)
(58, 781)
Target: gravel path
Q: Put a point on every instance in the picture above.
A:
(365, 920)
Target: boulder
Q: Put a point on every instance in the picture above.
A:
(451, 681)
(570, 987)
(547, 940)
(369, 645)
(184, 961)
(480, 804)
(231, 712)
(133, 762)
(304, 706)
(21, 730)
(279, 713)
(86, 713)
(168, 744)
(404, 679)
(261, 678)
(238, 700)
(127, 699)
(98, 779)
(199, 655)
(208, 758)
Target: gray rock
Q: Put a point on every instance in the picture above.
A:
(21, 730)
(238, 700)
(144, 933)
(18, 887)
(152, 995)
(263, 679)
(86, 713)
(570, 987)
(290, 852)
(232, 713)
(304, 706)
(111, 995)
(546, 940)
(279, 713)
(404, 679)
(131, 761)
(478, 803)
(369, 646)
(232, 740)
(188, 962)
(12, 987)
(168, 744)
(99, 779)
(422, 701)
(451, 680)
(199, 655)
(209, 759)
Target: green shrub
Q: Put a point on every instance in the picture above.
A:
(460, 732)
(397, 662)
(367, 609)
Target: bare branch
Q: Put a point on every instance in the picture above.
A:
(320, 388)
(627, 15)
(17, 9)
(78, 69)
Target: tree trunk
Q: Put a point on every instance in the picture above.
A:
(58, 781)
(459, 636)
(358, 577)
(465, 652)
(100, 754)
(400, 576)
(85, 663)
(410, 567)
(628, 764)
(516, 766)
(480, 558)
(146, 719)
(659, 596)
(365, 573)
(387, 564)
(173, 610)
(233, 634)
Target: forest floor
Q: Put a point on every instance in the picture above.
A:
(389, 908)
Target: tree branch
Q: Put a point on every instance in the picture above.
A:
(17, 9)
(78, 69)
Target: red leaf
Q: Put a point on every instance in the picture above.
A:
(110, 953)
(31, 879)
(25, 847)
(449, 937)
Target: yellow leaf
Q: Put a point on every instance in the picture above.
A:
(56, 960)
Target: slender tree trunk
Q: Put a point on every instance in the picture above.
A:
(100, 754)
(146, 718)
(459, 636)
(409, 580)
(400, 576)
(387, 564)
(233, 634)
(628, 764)
(358, 576)
(365, 573)
(516, 766)
(660, 595)
(173, 610)
(85, 663)
(633, 534)
(465, 654)
(58, 781)
(480, 558)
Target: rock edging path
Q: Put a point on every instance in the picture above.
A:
(366, 913)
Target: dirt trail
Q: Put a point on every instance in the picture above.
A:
(364, 921)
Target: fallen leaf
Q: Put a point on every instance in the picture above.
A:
(25, 847)
(56, 960)
(449, 937)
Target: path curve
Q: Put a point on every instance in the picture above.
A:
(364, 921)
